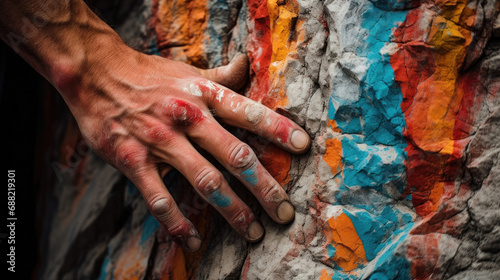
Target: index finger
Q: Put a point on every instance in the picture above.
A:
(237, 110)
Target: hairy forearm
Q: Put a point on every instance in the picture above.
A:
(61, 39)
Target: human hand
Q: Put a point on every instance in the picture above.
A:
(142, 114)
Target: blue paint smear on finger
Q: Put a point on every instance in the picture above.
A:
(249, 176)
(219, 199)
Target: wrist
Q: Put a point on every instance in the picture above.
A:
(85, 61)
(102, 70)
(62, 45)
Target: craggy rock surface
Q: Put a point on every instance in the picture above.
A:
(402, 100)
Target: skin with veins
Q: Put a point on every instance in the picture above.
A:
(142, 114)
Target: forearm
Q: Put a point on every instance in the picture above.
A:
(61, 39)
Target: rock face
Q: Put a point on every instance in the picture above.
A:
(402, 101)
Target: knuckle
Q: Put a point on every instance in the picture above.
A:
(273, 193)
(241, 156)
(183, 112)
(162, 208)
(157, 134)
(209, 89)
(103, 145)
(151, 130)
(64, 73)
(208, 181)
(241, 218)
(129, 155)
(180, 230)
(254, 113)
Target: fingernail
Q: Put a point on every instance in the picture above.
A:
(193, 244)
(299, 139)
(285, 212)
(255, 231)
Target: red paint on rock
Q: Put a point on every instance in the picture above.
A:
(246, 268)
(260, 52)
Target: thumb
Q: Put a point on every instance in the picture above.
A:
(233, 76)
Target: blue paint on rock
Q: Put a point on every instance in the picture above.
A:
(148, 228)
(364, 167)
(348, 119)
(392, 264)
(331, 251)
(373, 145)
(103, 275)
(374, 230)
(222, 18)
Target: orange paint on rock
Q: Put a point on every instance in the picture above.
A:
(325, 276)
(259, 51)
(271, 42)
(178, 265)
(427, 67)
(333, 155)
(286, 31)
(174, 262)
(180, 26)
(131, 263)
(439, 103)
(333, 125)
(349, 250)
(274, 159)
(270, 46)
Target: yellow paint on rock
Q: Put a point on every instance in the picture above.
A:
(286, 31)
(438, 100)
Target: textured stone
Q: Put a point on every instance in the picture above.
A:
(401, 101)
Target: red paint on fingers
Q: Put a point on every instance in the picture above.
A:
(283, 129)
(181, 233)
(242, 219)
(184, 113)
